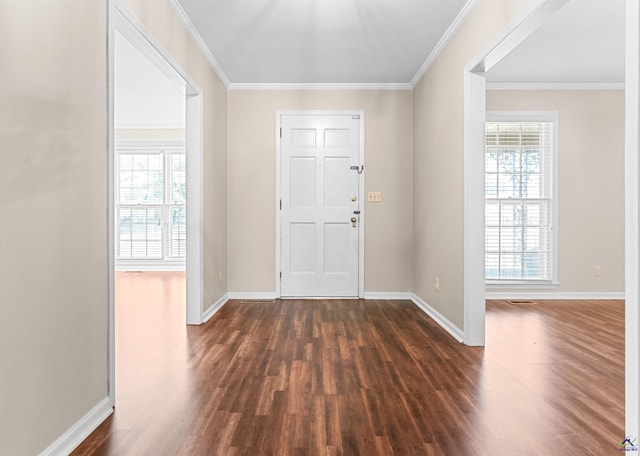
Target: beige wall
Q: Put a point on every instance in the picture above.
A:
(388, 161)
(53, 219)
(590, 182)
(438, 119)
(162, 23)
(53, 216)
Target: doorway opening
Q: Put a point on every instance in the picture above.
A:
(150, 166)
(155, 170)
(474, 143)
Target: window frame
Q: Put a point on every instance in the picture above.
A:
(164, 148)
(532, 116)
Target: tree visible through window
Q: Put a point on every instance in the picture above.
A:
(519, 200)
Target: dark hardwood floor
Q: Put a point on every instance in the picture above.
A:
(349, 377)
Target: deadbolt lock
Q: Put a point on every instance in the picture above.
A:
(354, 198)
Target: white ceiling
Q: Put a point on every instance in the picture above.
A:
(358, 41)
(387, 41)
(321, 41)
(583, 43)
(144, 96)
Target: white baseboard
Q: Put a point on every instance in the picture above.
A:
(76, 434)
(137, 266)
(207, 314)
(252, 296)
(452, 329)
(255, 296)
(388, 295)
(607, 295)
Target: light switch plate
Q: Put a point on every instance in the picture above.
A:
(375, 197)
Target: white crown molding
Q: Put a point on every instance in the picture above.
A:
(146, 144)
(320, 86)
(462, 16)
(555, 86)
(197, 39)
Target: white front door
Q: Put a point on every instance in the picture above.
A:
(320, 222)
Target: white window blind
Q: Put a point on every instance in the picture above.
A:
(519, 201)
(151, 204)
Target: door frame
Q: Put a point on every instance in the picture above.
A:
(632, 217)
(361, 188)
(474, 117)
(123, 21)
(474, 121)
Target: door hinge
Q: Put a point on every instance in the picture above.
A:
(281, 275)
(280, 204)
(280, 132)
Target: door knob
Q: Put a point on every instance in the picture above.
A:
(354, 220)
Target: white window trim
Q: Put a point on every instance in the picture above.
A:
(144, 146)
(534, 116)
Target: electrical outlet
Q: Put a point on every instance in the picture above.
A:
(374, 197)
(596, 271)
(436, 284)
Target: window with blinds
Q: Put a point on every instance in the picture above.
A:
(519, 199)
(150, 204)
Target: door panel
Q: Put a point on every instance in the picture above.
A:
(319, 191)
(337, 138)
(303, 182)
(336, 248)
(303, 137)
(336, 184)
(302, 241)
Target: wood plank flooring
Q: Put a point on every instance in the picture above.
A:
(354, 377)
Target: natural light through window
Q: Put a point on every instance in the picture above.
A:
(150, 205)
(519, 198)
